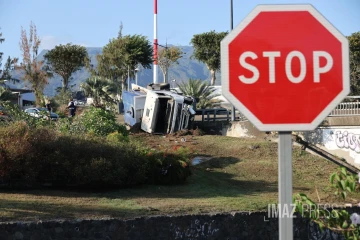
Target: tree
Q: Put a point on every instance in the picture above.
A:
(354, 47)
(200, 90)
(1, 41)
(64, 60)
(5, 94)
(167, 56)
(30, 66)
(102, 90)
(5, 74)
(207, 50)
(121, 56)
(1, 54)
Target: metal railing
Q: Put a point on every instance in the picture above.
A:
(349, 107)
(217, 114)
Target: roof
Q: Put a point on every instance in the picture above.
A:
(21, 90)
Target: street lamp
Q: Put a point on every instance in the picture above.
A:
(174, 82)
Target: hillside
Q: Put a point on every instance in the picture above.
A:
(187, 68)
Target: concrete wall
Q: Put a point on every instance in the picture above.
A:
(254, 226)
(341, 141)
(343, 121)
(242, 129)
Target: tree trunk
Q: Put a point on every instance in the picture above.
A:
(213, 77)
(38, 98)
(164, 76)
(123, 79)
(65, 83)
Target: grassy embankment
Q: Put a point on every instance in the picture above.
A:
(241, 176)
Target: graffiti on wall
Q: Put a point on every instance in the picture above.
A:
(348, 140)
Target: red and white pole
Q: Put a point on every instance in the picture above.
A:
(155, 43)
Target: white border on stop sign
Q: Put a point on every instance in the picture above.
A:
(225, 69)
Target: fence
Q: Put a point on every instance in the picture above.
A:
(217, 114)
(349, 107)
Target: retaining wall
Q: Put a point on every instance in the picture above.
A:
(249, 226)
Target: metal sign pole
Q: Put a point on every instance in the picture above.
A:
(285, 185)
(231, 28)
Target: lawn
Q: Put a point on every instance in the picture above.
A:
(240, 176)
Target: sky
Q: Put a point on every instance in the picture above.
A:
(92, 23)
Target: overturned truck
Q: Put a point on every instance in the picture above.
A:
(157, 109)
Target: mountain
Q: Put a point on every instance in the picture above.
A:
(187, 68)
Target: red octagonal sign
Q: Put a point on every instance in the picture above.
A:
(285, 67)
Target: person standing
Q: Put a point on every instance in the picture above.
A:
(48, 106)
(72, 108)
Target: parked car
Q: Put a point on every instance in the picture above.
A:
(79, 102)
(41, 112)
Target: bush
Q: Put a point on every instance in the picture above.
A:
(99, 122)
(15, 114)
(93, 121)
(62, 98)
(116, 137)
(170, 167)
(42, 156)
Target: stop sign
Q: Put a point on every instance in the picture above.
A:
(285, 67)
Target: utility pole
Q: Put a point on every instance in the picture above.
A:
(155, 44)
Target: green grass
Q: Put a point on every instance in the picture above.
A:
(241, 176)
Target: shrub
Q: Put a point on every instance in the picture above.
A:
(15, 114)
(38, 156)
(62, 111)
(100, 122)
(94, 121)
(170, 167)
(116, 137)
(62, 97)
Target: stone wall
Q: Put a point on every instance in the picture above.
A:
(249, 226)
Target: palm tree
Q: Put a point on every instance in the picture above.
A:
(102, 90)
(200, 90)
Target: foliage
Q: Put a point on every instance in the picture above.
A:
(64, 60)
(5, 94)
(207, 50)
(167, 56)
(102, 90)
(200, 90)
(117, 137)
(62, 97)
(337, 220)
(354, 45)
(9, 65)
(168, 167)
(41, 156)
(121, 56)
(1, 41)
(96, 121)
(30, 66)
(1, 54)
(17, 115)
(344, 182)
